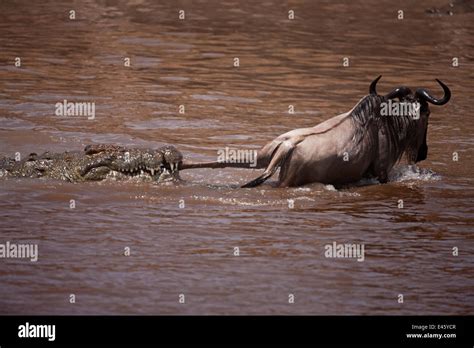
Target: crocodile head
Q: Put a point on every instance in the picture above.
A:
(104, 161)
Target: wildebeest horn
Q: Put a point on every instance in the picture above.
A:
(423, 94)
(398, 92)
(372, 88)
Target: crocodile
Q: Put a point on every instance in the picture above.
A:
(97, 162)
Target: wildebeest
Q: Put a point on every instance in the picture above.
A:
(361, 143)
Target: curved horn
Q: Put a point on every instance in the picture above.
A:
(423, 94)
(372, 88)
(398, 92)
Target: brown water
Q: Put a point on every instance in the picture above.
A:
(190, 250)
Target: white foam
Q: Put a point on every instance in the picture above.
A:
(412, 173)
(330, 187)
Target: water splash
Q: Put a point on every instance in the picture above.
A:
(413, 173)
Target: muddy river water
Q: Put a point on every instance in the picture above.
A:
(417, 230)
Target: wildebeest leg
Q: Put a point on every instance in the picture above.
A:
(381, 164)
(289, 171)
(280, 155)
(266, 154)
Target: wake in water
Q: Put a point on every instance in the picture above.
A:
(412, 173)
(402, 173)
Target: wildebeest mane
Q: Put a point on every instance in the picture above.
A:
(399, 130)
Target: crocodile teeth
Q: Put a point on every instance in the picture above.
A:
(141, 172)
(152, 172)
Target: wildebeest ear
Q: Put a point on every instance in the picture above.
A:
(423, 150)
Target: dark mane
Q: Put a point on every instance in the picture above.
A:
(400, 130)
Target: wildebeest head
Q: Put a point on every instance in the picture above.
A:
(421, 96)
